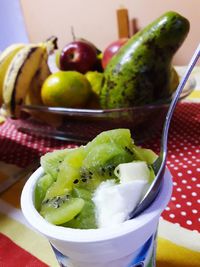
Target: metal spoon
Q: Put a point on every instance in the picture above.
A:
(159, 164)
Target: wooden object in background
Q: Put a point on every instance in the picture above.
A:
(134, 28)
(123, 23)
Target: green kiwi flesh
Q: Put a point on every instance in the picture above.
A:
(86, 218)
(51, 161)
(41, 188)
(76, 173)
(61, 209)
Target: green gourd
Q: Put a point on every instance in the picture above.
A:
(141, 72)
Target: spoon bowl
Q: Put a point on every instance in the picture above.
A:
(160, 163)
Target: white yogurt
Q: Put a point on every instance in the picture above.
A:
(114, 202)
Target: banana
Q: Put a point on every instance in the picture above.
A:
(19, 76)
(26, 72)
(33, 96)
(5, 58)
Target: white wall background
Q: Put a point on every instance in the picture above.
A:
(12, 28)
(96, 20)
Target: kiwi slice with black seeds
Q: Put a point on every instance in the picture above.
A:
(86, 218)
(41, 188)
(69, 171)
(61, 209)
(51, 161)
(99, 164)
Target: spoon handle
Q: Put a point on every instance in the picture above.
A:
(172, 106)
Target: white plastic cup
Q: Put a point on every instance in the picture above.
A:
(131, 243)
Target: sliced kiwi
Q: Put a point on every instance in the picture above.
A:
(120, 137)
(41, 188)
(99, 164)
(52, 160)
(77, 173)
(68, 173)
(152, 174)
(86, 218)
(61, 209)
(144, 154)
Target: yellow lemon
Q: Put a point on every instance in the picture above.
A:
(96, 80)
(57, 57)
(66, 89)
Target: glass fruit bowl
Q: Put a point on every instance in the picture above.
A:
(82, 125)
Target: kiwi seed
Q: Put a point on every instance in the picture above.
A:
(56, 201)
(128, 150)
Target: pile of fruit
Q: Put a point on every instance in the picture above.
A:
(129, 72)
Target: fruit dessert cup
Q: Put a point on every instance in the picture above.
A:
(64, 212)
(109, 247)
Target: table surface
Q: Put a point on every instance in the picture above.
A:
(179, 224)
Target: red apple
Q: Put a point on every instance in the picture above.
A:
(79, 56)
(111, 50)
